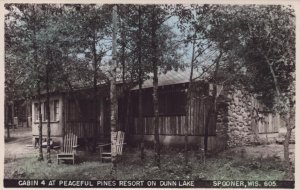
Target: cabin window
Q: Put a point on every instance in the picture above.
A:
(36, 112)
(171, 102)
(56, 110)
(45, 112)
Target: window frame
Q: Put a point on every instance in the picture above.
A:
(56, 111)
(45, 119)
(36, 112)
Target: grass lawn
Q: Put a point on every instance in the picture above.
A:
(219, 167)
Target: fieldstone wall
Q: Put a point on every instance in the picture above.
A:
(236, 121)
(222, 126)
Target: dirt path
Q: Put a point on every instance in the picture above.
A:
(18, 145)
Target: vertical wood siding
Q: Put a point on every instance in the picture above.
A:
(269, 124)
(174, 125)
(81, 129)
(81, 125)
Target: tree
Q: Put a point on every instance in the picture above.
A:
(136, 38)
(158, 15)
(83, 32)
(47, 45)
(154, 23)
(33, 47)
(127, 56)
(193, 22)
(263, 39)
(135, 21)
(92, 30)
(113, 90)
(28, 21)
(272, 40)
(140, 76)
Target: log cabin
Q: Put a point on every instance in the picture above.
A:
(240, 118)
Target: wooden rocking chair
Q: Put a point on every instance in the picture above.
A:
(117, 148)
(69, 148)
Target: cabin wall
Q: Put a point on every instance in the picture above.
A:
(172, 102)
(246, 119)
(241, 119)
(55, 126)
(175, 125)
(269, 123)
(81, 121)
(72, 119)
(179, 141)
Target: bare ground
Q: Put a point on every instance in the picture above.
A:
(18, 146)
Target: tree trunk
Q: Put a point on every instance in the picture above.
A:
(95, 93)
(122, 120)
(187, 107)
(155, 88)
(26, 113)
(6, 120)
(287, 142)
(140, 119)
(122, 58)
(113, 93)
(12, 114)
(212, 108)
(288, 126)
(156, 117)
(206, 130)
(48, 115)
(273, 75)
(40, 158)
(36, 66)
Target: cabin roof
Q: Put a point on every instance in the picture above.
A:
(62, 91)
(169, 78)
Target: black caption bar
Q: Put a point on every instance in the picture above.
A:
(31, 183)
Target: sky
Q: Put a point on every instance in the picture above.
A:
(172, 22)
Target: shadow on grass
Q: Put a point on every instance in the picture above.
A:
(131, 167)
(10, 139)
